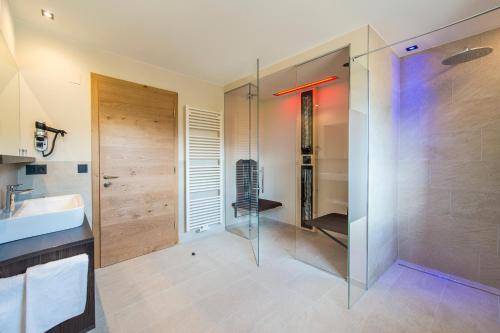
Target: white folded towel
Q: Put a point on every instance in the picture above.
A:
(55, 292)
(11, 304)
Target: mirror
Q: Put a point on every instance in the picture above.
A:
(9, 102)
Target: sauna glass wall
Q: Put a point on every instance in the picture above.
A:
(242, 177)
(358, 181)
(277, 146)
(238, 164)
(322, 153)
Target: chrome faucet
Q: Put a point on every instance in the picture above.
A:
(10, 197)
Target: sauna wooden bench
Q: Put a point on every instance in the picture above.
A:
(17, 256)
(334, 222)
(264, 205)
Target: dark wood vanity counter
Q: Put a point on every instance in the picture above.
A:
(17, 256)
(22, 248)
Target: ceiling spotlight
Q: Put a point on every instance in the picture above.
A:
(411, 48)
(47, 14)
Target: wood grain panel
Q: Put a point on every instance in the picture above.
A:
(17, 256)
(137, 142)
(150, 234)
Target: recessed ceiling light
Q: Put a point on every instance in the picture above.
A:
(412, 48)
(47, 14)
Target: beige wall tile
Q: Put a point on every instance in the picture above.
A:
(492, 61)
(402, 225)
(456, 254)
(434, 89)
(383, 130)
(413, 64)
(424, 200)
(430, 228)
(418, 251)
(491, 144)
(467, 114)
(61, 178)
(404, 251)
(478, 84)
(459, 175)
(480, 206)
(8, 176)
(449, 161)
(425, 145)
(445, 233)
(413, 174)
(460, 146)
(489, 270)
(473, 234)
(461, 262)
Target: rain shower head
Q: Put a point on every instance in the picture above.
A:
(467, 55)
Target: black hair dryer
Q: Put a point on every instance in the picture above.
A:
(42, 139)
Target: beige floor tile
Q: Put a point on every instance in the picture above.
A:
(313, 284)
(235, 323)
(283, 270)
(221, 290)
(387, 322)
(448, 320)
(288, 308)
(106, 324)
(470, 302)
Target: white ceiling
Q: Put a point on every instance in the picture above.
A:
(458, 31)
(219, 40)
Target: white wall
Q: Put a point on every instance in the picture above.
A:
(280, 157)
(9, 101)
(278, 143)
(332, 116)
(9, 84)
(7, 25)
(55, 87)
(236, 143)
(8, 173)
(356, 40)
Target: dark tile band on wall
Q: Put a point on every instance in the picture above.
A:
(36, 169)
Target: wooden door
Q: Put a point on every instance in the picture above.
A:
(136, 177)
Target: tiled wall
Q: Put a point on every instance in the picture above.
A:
(8, 176)
(61, 178)
(449, 161)
(382, 194)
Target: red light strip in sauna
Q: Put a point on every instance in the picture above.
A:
(326, 79)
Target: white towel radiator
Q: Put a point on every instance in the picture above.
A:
(204, 155)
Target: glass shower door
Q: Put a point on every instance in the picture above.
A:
(253, 152)
(358, 182)
(241, 147)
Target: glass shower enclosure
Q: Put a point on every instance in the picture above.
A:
(336, 161)
(332, 170)
(242, 176)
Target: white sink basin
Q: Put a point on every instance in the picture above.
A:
(42, 216)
